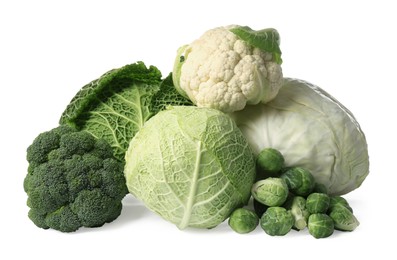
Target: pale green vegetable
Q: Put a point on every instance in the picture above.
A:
(317, 202)
(320, 225)
(269, 161)
(277, 221)
(343, 218)
(297, 206)
(190, 165)
(312, 130)
(270, 192)
(243, 220)
(299, 180)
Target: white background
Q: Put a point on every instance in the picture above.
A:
(49, 49)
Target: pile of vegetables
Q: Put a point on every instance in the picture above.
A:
(291, 199)
(224, 136)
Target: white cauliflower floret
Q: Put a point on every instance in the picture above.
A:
(225, 71)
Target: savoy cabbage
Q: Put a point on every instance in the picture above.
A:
(116, 105)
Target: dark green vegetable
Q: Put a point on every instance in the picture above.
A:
(320, 225)
(343, 218)
(299, 180)
(73, 181)
(167, 96)
(320, 188)
(277, 221)
(243, 220)
(115, 106)
(317, 203)
(339, 201)
(269, 162)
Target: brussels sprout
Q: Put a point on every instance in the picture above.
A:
(269, 162)
(297, 206)
(277, 221)
(243, 220)
(338, 200)
(317, 203)
(320, 225)
(259, 208)
(270, 191)
(320, 188)
(299, 180)
(343, 218)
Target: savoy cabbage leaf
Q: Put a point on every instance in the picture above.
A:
(115, 106)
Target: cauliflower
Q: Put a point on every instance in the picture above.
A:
(230, 67)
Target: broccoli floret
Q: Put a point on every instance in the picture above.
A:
(73, 180)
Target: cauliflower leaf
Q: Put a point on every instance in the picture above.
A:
(268, 40)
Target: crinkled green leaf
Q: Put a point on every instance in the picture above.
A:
(115, 106)
(167, 96)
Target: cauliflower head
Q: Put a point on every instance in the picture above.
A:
(230, 67)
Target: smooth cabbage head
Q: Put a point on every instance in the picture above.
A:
(312, 130)
(191, 165)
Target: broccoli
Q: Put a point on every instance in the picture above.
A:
(73, 181)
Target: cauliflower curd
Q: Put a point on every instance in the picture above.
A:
(230, 67)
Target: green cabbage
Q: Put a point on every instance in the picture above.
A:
(116, 105)
(312, 130)
(190, 165)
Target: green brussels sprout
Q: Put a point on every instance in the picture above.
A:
(343, 218)
(277, 221)
(297, 206)
(259, 208)
(320, 225)
(320, 188)
(270, 192)
(317, 203)
(299, 180)
(243, 220)
(338, 200)
(269, 162)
